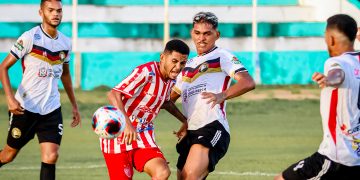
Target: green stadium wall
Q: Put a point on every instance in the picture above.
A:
(155, 30)
(161, 2)
(109, 68)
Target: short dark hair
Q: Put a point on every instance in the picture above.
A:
(178, 46)
(344, 24)
(43, 1)
(207, 17)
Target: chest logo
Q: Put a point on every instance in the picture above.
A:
(203, 67)
(62, 56)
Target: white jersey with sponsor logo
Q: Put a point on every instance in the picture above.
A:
(209, 72)
(42, 59)
(340, 112)
(144, 93)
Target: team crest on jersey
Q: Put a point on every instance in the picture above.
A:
(235, 60)
(203, 67)
(356, 72)
(62, 56)
(19, 45)
(16, 133)
(37, 36)
(335, 65)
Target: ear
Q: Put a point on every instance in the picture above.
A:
(217, 35)
(332, 40)
(162, 57)
(40, 12)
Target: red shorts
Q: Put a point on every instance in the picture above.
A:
(120, 166)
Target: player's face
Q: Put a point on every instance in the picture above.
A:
(204, 36)
(171, 64)
(51, 13)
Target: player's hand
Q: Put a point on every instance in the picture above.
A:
(213, 98)
(15, 107)
(129, 134)
(181, 132)
(76, 117)
(320, 79)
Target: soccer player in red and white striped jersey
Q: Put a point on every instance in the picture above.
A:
(140, 96)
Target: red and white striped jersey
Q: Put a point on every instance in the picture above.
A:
(340, 112)
(144, 91)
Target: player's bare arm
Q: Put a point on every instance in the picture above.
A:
(244, 84)
(334, 79)
(66, 80)
(172, 109)
(13, 105)
(115, 99)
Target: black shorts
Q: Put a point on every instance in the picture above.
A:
(214, 136)
(48, 128)
(318, 166)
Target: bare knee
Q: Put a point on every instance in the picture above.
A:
(7, 155)
(50, 157)
(161, 173)
(189, 174)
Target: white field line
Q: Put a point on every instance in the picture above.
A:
(228, 173)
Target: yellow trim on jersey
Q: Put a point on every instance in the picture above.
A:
(43, 58)
(177, 90)
(210, 70)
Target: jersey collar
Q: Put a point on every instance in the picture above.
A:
(211, 50)
(46, 34)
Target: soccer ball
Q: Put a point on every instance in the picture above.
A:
(108, 122)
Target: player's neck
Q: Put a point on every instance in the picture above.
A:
(162, 72)
(49, 30)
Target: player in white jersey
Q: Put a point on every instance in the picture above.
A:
(204, 85)
(338, 157)
(140, 96)
(35, 108)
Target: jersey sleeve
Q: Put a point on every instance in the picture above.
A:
(178, 84)
(231, 65)
(331, 64)
(22, 46)
(67, 58)
(133, 83)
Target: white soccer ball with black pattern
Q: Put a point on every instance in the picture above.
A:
(108, 122)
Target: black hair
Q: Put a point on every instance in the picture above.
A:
(43, 1)
(178, 46)
(344, 24)
(207, 17)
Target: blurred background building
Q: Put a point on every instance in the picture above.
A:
(279, 41)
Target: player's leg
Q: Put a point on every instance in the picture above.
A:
(7, 154)
(49, 157)
(21, 131)
(49, 131)
(119, 166)
(153, 162)
(197, 162)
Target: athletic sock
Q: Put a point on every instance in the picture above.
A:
(47, 171)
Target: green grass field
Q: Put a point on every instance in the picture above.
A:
(266, 137)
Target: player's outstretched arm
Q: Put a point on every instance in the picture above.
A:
(244, 84)
(172, 109)
(115, 99)
(334, 79)
(66, 80)
(13, 105)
